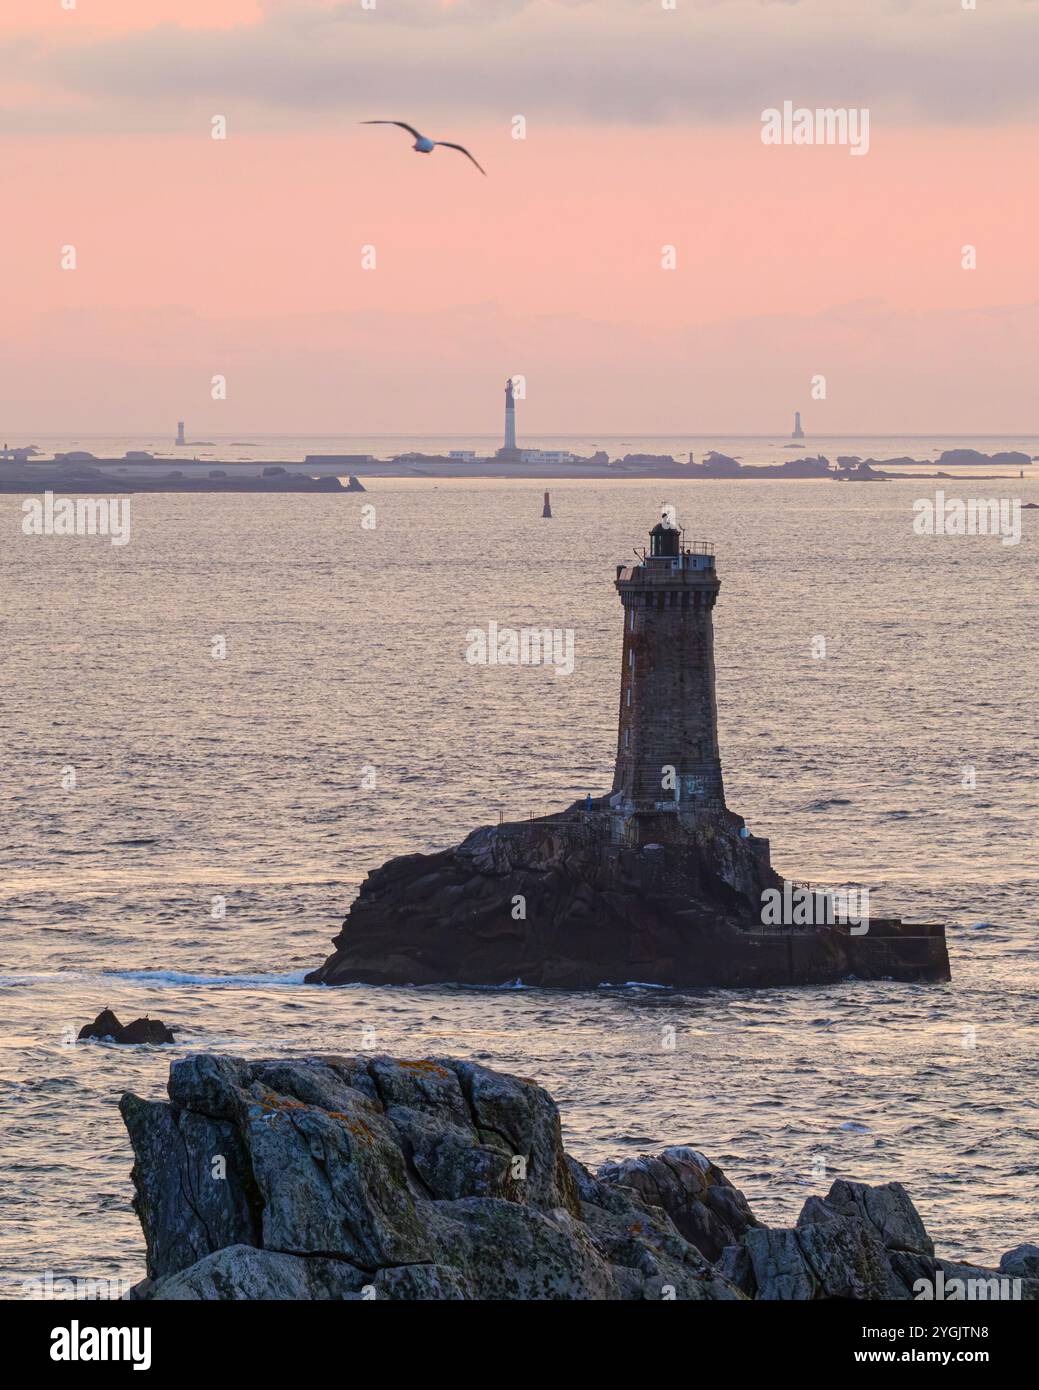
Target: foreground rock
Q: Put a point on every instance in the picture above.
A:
(142, 1030)
(427, 1179)
(347, 1178)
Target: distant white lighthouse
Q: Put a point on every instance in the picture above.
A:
(180, 432)
(510, 419)
(798, 431)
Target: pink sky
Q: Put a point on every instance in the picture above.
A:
(243, 257)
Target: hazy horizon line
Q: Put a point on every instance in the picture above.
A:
(555, 434)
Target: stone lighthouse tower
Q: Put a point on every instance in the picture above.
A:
(667, 743)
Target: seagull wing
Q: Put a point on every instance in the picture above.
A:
(403, 125)
(448, 145)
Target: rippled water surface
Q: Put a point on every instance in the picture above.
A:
(243, 777)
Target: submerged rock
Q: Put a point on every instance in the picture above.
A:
(141, 1030)
(346, 1178)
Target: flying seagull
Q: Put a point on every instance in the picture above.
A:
(424, 145)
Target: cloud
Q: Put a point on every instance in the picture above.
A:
(569, 61)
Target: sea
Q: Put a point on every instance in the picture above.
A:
(211, 735)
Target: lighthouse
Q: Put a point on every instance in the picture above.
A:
(510, 420)
(667, 741)
(657, 881)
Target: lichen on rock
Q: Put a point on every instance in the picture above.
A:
(331, 1177)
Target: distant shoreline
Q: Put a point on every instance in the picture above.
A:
(80, 471)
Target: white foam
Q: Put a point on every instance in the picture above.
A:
(180, 977)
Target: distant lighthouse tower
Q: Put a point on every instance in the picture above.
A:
(180, 432)
(667, 743)
(798, 431)
(510, 419)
